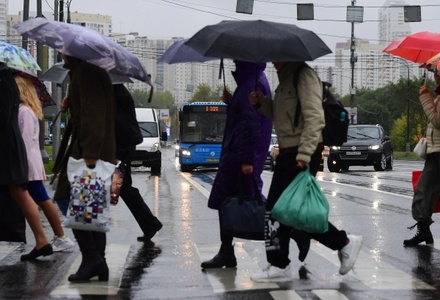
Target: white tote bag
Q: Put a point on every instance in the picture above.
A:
(420, 148)
(89, 195)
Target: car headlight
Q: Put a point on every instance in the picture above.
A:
(374, 147)
(155, 147)
(186, 152)
(335, 148)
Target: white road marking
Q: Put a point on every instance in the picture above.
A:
(285, 295)
(233, 279)
(329, 295)
(6, 248)
(116, 255)
(374, 272)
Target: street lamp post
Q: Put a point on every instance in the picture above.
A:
(355, 14)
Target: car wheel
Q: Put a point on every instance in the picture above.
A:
(345, 167)
(390, 162)
(382, 163)
(333, 166)
(155, 170)
(186, 168)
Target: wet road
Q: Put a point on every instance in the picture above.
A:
(362, 201)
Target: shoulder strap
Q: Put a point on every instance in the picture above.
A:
(295, 84)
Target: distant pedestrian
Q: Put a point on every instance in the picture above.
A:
(299, 147)
(13, 158)
(30, 111)
(428, 190)
(244, 150)
(128, 135)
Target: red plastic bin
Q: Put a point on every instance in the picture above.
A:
(415, 178)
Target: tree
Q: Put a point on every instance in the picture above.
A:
(203, 93)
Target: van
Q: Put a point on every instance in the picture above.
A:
(148, 153)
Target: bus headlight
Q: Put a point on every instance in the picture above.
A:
(186, 152)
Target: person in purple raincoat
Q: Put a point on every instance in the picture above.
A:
(244, 150)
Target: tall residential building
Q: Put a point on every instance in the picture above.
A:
(391, 22)
(3, 13)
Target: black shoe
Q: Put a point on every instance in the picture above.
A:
(88, 270)
(43, 251)
(302, 240)
(423, 234)
(220, 261)
(146, 238)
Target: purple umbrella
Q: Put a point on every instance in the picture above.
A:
(179, 52)
(86, 44)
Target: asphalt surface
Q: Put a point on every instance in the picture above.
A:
(373, 204)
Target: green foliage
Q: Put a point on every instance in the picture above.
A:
(389, 107)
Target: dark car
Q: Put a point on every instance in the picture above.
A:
(276, 150)
(367, 145)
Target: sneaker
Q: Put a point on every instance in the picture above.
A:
(349, 253)
(273, 274)
(62, 243)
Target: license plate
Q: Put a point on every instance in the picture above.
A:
(211, 160)
(353, 153)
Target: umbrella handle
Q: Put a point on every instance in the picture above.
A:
(150, 97)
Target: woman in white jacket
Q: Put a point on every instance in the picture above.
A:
(428, 188)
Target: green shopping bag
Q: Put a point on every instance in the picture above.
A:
(303, 205)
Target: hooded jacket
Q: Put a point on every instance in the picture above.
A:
(281, 110)
(432, 110)
(246, 138)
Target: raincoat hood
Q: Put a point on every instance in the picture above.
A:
(245, 69)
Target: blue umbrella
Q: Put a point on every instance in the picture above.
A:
(181, 53)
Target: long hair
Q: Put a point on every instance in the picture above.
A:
(28, 95)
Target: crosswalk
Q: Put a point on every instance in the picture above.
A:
(370, 271)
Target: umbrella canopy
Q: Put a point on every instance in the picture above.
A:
(258, 41)
(86, 44)
(58, 74)
(181, 53)
(417, 47)
(17, 58)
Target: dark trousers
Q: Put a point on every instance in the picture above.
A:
(136, 204)
(284, 173)
(225, 238)
(91, 244)
(428, 189)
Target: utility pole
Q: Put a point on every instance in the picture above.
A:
(56, 90)
(24, 41)
(352, 62)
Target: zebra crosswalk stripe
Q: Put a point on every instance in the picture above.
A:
(233, 279)
(375, 273)
(116, 255)
(6, 248)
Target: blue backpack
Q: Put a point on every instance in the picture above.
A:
(336, 116)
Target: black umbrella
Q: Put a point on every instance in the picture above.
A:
(258, 41)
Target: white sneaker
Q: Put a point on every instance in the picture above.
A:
(349, 253)
(62, 243)
(273, 274)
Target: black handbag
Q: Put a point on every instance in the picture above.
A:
(242, 215)
(12, 221)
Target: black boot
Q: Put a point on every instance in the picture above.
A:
(224, 258)
(302, 240)
(90, 267)
(92, 247)
(423, 234)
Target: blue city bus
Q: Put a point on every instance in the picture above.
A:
(202, 125)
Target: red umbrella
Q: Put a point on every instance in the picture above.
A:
(418, 47)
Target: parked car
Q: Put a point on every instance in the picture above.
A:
(367, 145)
(276, 150)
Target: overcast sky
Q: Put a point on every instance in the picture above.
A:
(163, 19)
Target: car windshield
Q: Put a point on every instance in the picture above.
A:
(363, 133)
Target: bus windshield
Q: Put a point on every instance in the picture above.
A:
(203, 127)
